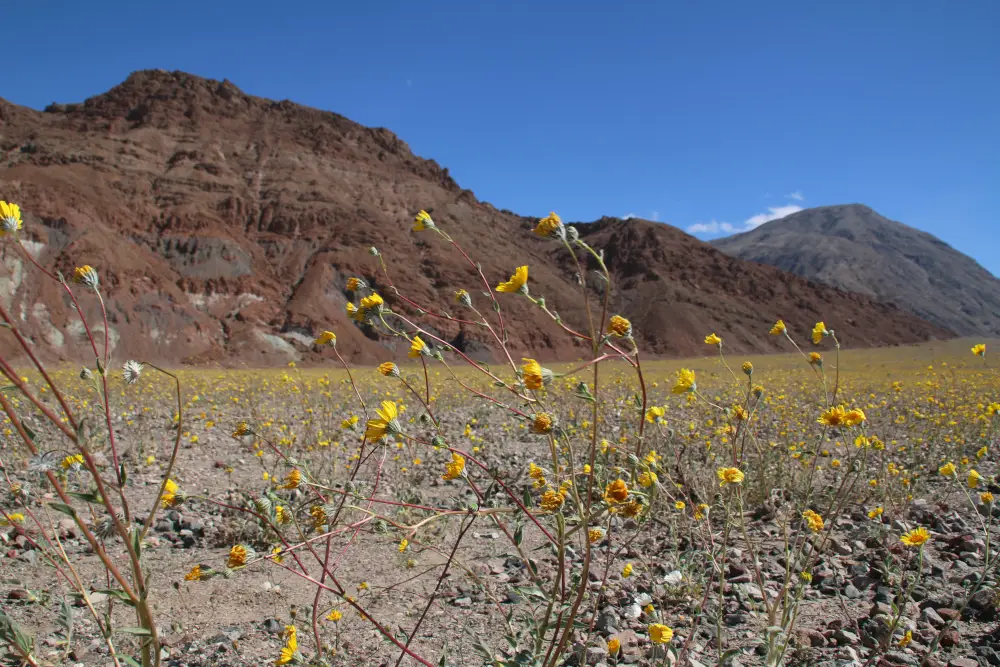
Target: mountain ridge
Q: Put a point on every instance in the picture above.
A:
(225, 226)
(852, 247)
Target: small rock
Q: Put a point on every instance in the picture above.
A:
(950, 638)
(963, 662)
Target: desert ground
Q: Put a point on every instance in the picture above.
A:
(866, 597)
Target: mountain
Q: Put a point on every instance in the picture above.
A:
(224, 227)
(856, 249)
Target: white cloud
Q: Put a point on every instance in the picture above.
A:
(629, 216)
(655, 216)
(713, 227)
(797, 196)
(773, 213)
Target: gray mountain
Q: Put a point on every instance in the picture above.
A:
(856, 249)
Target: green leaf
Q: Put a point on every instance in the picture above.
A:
(116, 593)
(92, 497)
(64, 508)
(31, 434)
(143, 632)
(8, 388)
(131, 661)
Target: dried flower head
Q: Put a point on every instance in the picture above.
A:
(131, 370)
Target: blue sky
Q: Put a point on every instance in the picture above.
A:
(709, 116)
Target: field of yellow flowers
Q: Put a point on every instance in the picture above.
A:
(225, 580)
(822, 507)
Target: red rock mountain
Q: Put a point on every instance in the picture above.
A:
(224, 227)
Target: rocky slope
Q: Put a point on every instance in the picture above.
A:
(224, 227)
(856, 249)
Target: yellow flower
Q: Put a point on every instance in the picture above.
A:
(815, 358)
(835, 416)
(550, 226)
(685, 382)
(462, 297)
(86, 275)
(712, 339)
(647, 479)
(905, 640)
(875, 513)
(12, 518)
(655, 414)
(292, 480)
(627, 570)
(986, 498)
(403, 544)
(982, 451)
(614, 645)
(616, 492)
(389, 369)
(854, 416)
(542, 423)
(290, 647)
(354, 284)
(974, 478)
(335, 615)
(455, 468)
(679, 505)
(170, 498)
(660, 634)
(552, 500)
(915, 537)
(729, 476)
(700, 512)
(237, 556)
(619, 326)
(818, 332)
(979, 350)
(748, 368)
(947, 470)
(595, 535)
(814, 520)
(241, 430)
(318, 515)
(281, 515)
(372, 302)
(631, 509)
(417, 348)
(778, 328)
(517, 282)
(534, 375)
(326, 338)
(10, 218)
(422, 221)
(72, 460)
(350, 422)
(806, 577)
(739, 413)
(377, 429)
(195, 574)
